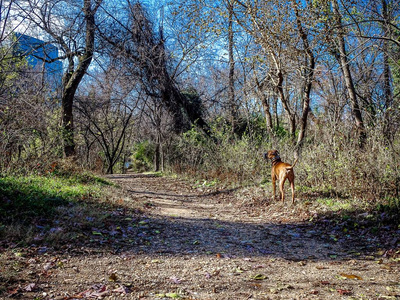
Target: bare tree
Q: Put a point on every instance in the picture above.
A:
(307, 69)
(231, 78)
(106, 113)
(71, 26)
(287, 53)
(345, 66)
(143, 48)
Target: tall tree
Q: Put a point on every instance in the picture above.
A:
(347, 74)
(231, 76)
(288, 51)
(71, 26)
(143, 47)
(308, 73)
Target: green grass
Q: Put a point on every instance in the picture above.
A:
(335, 204)
(27, 197)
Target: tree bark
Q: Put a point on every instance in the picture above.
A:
(73, 77)
(292, 117)
(345, 66)
(266, 106)
(388, 127)
(231, 79)
(309, 75)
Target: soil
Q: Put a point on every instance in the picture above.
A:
(201, 243)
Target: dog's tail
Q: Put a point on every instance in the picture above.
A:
(295, 162)
(292, 166)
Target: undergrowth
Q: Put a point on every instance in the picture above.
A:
(33, 206)
(331, 165)
(26, 197)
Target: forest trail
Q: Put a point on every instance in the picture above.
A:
(208, 247)
(195, 243)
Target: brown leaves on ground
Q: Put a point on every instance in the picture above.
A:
(167, 240)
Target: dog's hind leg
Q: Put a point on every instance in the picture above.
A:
(292, 187)
(281, 185)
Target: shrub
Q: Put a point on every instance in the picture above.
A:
(142, 158)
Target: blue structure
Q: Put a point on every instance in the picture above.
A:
(40, 54)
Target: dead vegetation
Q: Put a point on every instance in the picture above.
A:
(163, 238)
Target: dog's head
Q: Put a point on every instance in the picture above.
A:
(272, 155)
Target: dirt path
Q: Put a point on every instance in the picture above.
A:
(198, 244)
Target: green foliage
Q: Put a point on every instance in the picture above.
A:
(27, 197)
(330, 168)
(281, 131)
(11, 69)
(194, 103)
(225, 156)
(142, 158)
(29, 119)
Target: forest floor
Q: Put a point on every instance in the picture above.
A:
(168, 239)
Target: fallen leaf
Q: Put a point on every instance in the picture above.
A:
(100, 290)
(351, 276)
(160, 295)
(30, 287)
(175, 280)
(48, 266)
(121, 290)
(344, 292)
(239, 270)
(388, 297)
(13, 291)
(113, 277)
(172, 295)
(259, 277)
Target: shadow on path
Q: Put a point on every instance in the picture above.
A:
(203, 231)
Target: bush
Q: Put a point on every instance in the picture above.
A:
(142, 158)
(331, 163)
(224, 156)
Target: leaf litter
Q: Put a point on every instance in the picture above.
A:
(179, 242)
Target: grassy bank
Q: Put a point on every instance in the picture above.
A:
(50, 209)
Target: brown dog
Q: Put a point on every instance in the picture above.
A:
(281, 171)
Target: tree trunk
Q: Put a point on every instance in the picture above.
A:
(344, 63)
(275, 113)
(291, 116)
(72, 79)
(231, 79)
(267, 112)
(309, 75)
(388, 127)
(157, 154)
(266, 106)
